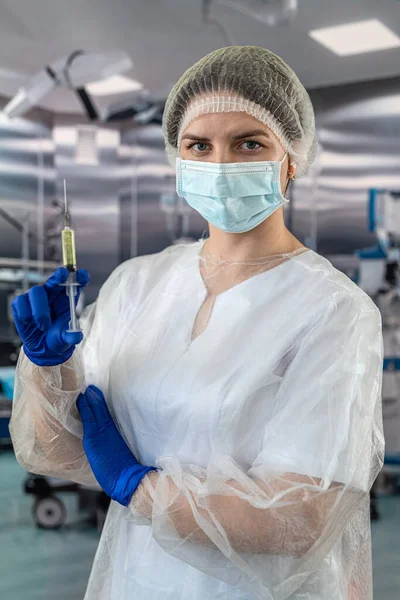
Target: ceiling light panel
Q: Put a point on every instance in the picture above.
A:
(117, 84)
(356, 38)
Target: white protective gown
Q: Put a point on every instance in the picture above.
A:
(266, 429)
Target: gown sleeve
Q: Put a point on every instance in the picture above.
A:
(46, 429)
(276, 524)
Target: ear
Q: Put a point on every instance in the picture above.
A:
(292, 170)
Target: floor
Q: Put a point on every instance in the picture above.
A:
(37, 564)
(43, 565)
(386, 550)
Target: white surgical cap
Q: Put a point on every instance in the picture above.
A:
(244, 79)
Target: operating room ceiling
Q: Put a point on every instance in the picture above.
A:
(164, 37)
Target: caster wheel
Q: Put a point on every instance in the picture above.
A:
(49, 513)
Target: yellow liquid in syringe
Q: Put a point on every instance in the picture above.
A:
(68, 248)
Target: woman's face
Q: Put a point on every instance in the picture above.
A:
(232, 137)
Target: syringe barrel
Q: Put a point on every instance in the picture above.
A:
(68, 248)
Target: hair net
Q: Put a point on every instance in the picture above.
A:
(244, 79)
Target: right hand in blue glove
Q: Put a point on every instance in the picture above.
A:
(41, 317)
(113, 464)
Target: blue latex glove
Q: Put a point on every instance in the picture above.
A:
(113, 464)
(41, 317)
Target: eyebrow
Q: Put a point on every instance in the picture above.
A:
(239, 136)
(190, 136)
(253, 133)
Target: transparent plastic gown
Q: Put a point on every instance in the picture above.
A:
(256, 390)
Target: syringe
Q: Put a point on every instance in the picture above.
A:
(69, 261)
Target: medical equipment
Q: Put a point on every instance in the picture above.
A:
(73, 72)
(45, 317)
(6, 396)
(5, 416)
(50, 512)
(41, 318)
(69, 261)
(379, 265)
(379, 276)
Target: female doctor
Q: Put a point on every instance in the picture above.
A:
(233, 407)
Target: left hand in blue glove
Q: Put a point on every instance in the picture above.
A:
(41, 317)
(113, 464)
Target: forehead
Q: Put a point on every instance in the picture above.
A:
(215, 124)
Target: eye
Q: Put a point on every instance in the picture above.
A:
(199, 146)
(251, 145)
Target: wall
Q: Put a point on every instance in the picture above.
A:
(26, 170)
(27, 182)
(359, 132)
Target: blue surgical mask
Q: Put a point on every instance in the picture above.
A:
(234, 197)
